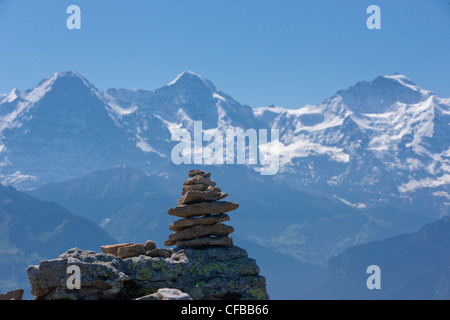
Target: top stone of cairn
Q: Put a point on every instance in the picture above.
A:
(198, 172)
(200, 188)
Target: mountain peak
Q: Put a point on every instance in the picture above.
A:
(71, 73)
(70, 76)
(66, 77)
(400, 79)
(189, 78)
(380, 94)
(67, 80)
(10, 97)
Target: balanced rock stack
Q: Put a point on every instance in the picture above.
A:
(202, 214)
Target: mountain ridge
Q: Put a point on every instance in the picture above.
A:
(413, 266)
(380, 141)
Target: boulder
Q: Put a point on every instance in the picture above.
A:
(206, 220)
(100, 277)
(202, 208)
(150, 245)
(172, 294)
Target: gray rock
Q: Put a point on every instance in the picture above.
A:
(213, 273)
(101, 276)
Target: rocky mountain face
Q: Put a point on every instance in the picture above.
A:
(413, 266)
(211, 273)
(384, 141)
(381, 141)
(60, 130)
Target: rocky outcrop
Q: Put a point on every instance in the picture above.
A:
(12, 295)
(210, 273)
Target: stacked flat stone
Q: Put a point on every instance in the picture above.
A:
(202, 214)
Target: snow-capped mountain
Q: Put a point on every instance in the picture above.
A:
(151, 115)
(381, 141)
(385, 140)
(60, 129)
(188, 97)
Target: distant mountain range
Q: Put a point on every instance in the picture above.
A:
(413, 266)
(385, 141)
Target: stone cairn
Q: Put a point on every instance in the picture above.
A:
(202, 214)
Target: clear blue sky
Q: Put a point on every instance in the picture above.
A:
(285, 52)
